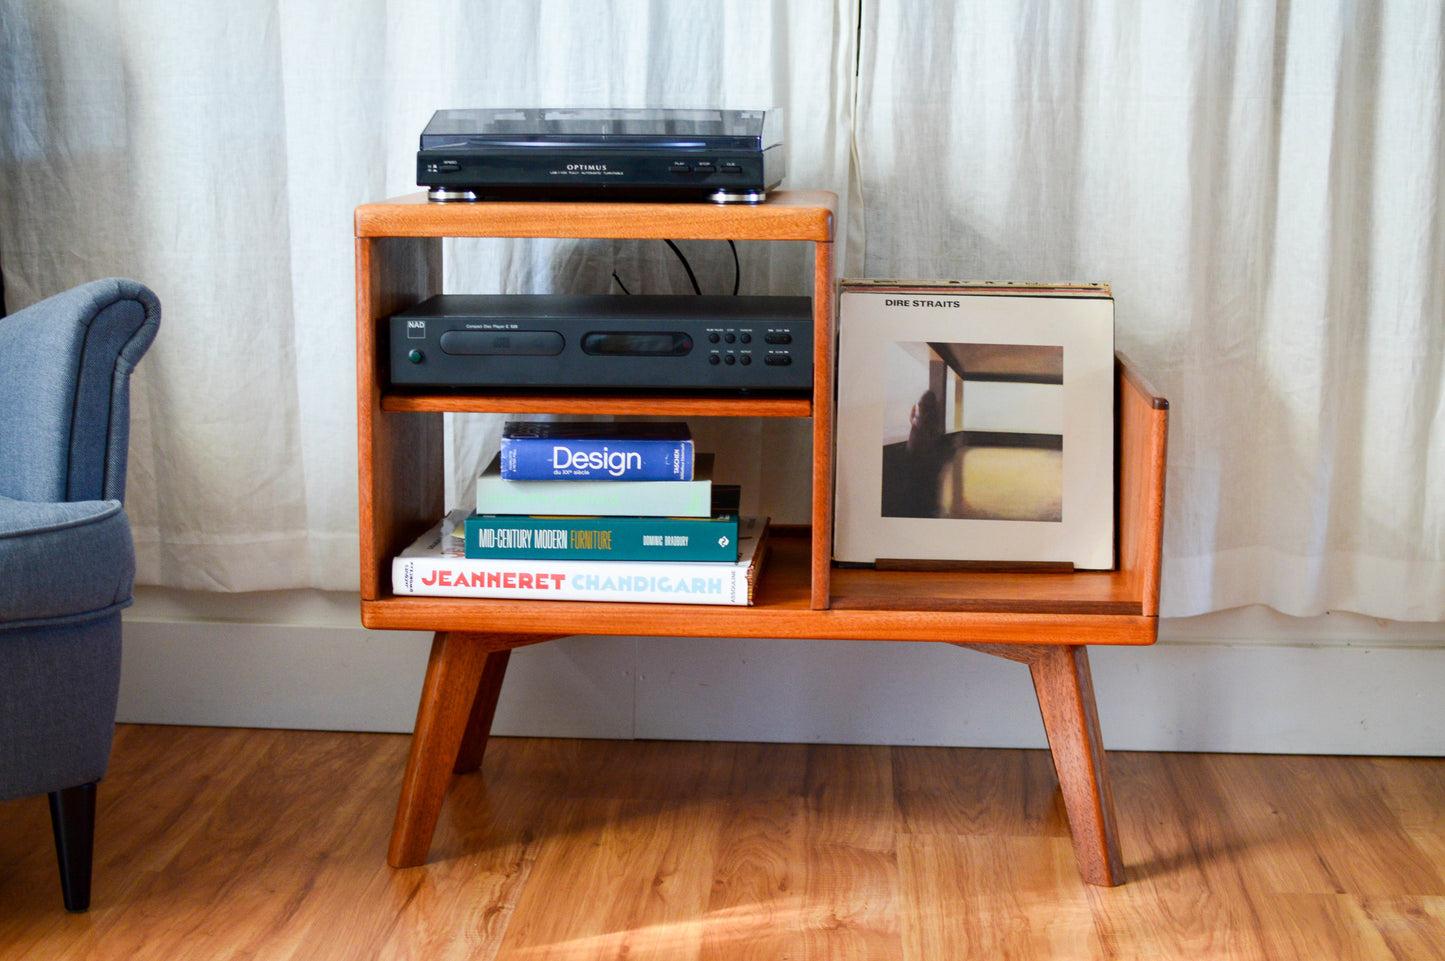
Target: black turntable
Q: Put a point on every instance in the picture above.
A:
(726, 156)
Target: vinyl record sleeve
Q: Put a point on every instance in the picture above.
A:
(975, 422)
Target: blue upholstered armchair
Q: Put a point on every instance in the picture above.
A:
(66, 560)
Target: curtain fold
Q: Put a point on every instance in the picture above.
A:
(1260, 183)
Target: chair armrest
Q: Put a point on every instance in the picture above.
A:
(65, 366)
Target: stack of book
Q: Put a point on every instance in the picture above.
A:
(593, 511)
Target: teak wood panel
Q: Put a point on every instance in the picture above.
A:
(399, 455)
(785, 215)
(1082, 607)
(1143, 436)
(399, 263)
(1090, 607)
(1044, 620)
(662, 403)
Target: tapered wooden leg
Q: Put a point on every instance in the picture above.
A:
(1066, 700)
(484, 708)
(453, 677)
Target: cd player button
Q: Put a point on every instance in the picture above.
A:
(704, 166)
(779, 360)
(449, 166)
(678, 167)
(731, 168)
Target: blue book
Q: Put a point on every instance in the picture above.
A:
(588, 450)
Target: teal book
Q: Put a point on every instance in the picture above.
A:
(540, 537)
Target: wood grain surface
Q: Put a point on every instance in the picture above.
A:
(217, 843)
(785, 215)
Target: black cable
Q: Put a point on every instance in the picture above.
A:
(685, 266)
(692, 278)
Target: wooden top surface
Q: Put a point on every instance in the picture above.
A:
(786, 215)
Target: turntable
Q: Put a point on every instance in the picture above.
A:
(725, 156)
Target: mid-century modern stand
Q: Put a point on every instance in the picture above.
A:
(1045, 620)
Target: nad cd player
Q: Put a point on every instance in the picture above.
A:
(727, 156)
(669, 341)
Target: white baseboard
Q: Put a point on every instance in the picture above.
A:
(1215, 684)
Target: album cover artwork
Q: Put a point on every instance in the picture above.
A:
(975, 422)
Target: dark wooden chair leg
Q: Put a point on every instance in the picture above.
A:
(72, 818)
(1066, 700)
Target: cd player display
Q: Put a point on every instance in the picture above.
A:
(661, 341)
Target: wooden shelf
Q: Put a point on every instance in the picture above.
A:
(1045, 620)
(785, 215)
(398, 263)
(867, 605)
(662, 404)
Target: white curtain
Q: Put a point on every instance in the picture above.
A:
(217, 152)
(1260, 183)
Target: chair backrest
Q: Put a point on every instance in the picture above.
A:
(65, 366)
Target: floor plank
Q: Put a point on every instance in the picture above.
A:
(216, 843)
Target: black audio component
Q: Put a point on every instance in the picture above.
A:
(638, 342)
(726, 156)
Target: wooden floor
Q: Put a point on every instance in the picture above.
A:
(271, 845)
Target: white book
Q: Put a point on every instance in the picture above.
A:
(436, 565)
(597, 498)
